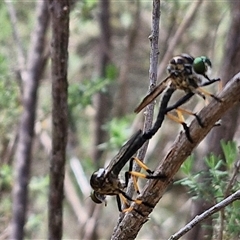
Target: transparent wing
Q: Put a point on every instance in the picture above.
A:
(152, 95)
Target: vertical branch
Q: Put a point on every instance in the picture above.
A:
(154, 53)
(59, 53)
(154, 37)
(30, 80)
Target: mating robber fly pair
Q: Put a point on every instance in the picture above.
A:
(185, 73)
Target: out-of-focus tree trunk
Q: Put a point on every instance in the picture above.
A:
(122, 98)
(59, 53)
(226, 131)
(30, 77)
(103, 106)
(103, 102)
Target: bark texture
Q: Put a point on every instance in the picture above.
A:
(59, 53)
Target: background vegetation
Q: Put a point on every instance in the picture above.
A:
(97, 131)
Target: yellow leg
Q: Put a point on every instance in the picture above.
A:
(135, 182)
(124, 200)
(136, 175)
(180, 119)
(185, 111)
(206, 93)
(203, 91)
(141, 164)
(177, 119)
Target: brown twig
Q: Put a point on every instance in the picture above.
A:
(235, 196)
(229, 187)
(180, 150)
(154, 54)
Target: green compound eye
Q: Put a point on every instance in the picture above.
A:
(201, 64)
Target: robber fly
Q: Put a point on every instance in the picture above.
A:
(187, 74)
(106, 181)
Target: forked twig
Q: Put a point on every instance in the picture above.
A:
(217, 207)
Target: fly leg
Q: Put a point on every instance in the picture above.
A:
(180, 119)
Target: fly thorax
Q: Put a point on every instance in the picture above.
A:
(180, 66)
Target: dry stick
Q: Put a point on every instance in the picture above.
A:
(180, 150)
(152, 74)
(175, 39)
(235, 196)
(229, 187)
(154, 54)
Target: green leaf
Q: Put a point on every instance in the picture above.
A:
(188, 165)
(230, 152)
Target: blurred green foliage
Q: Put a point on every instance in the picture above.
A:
(9, 99)
(212, 184)
(118, 129)
(6, 178)
(209, 26)
(80, 94)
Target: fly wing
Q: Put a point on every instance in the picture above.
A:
(152, 95)
(122, 157)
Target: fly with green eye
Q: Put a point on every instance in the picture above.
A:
(187, 74)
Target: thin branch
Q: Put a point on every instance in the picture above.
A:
(190, 14)
(154, 55)
(235, 196)
(180, 150)
(229, 187)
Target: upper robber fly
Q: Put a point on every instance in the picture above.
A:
(185, 73)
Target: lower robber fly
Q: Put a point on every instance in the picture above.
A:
(106, 181)
(188, 74)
